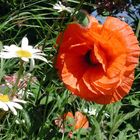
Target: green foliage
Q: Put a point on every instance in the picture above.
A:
(41, 24)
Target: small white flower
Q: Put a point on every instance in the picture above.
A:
(17, 121)
(90, 111)
(107, 115)
(25, 52)
(7, 103)
(60, 7)
(23, 92)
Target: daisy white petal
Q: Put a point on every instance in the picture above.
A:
(24, 43)
(6, 48)
(13, 48)
(19, 101)
(6, 55)
(25, 59)
(32, 64)
(10, 105)
(10, 48)
(41, 54)
(3, 106)
(41, 58)
(36, 51)
(30, 47)
(16, 105)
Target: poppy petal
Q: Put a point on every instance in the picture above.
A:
(97, 62)
(81, 121)
(73, 69)
(116, 66)
(100, 55)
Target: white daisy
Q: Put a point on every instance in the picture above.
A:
(7, 103)
(25, 52)
(60, 7)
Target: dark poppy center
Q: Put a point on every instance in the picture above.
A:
(91, 58)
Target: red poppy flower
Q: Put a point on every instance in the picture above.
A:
(97, 62)
(79, 121)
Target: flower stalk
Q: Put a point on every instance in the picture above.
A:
(20, 73)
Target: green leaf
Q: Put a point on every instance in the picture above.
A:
(121, 119)
(97, 131)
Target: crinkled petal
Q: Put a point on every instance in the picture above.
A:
(84, 90)
(70, 71)
(115, 67)
(123, 33)
(124, 87)
(101, 57)
(108, 83)
(114, 53)
(81, 121)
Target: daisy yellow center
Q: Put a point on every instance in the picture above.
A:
(23, 53)
(4, 98)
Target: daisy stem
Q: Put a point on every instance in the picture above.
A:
(20, 72)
